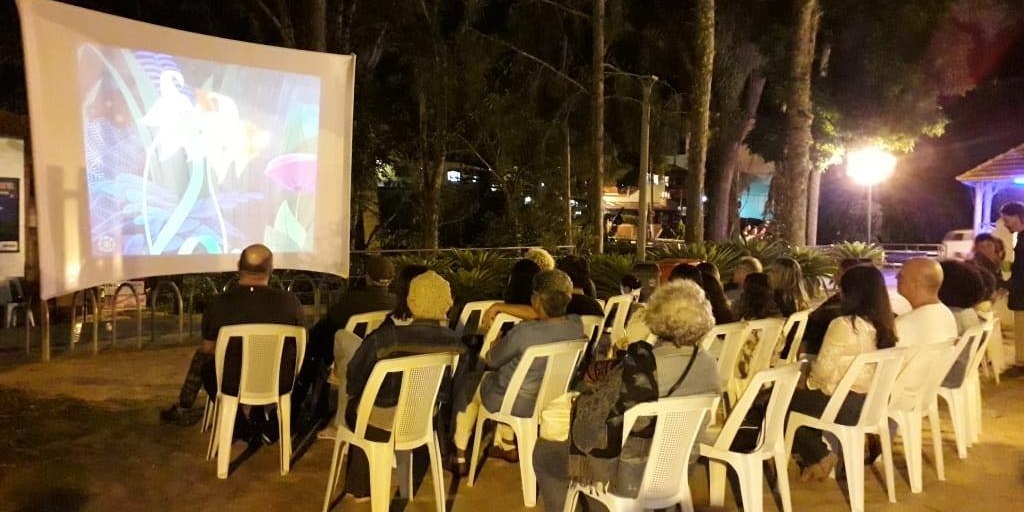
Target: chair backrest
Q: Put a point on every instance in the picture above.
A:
(887, 364)
(262, 348)
(793, 330)
(422, 374)
(679, 420)
(501, 323)
(783, 381)
(365, 323)
(615, 312)
(561, 359)
(923, 372)
(769, 342)
(727, 350)
(979, 347)
(592, 327)
(471, 314)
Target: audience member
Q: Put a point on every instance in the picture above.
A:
(680, 315)
(746, 265)
(929, 320)
(962, 289)
(756, 300)
(686, 271)
(374, 296)
(866, 324)
(541, 257)
(251, 300)
(819, 319)
(552, 292)
(1012, 216)
(520, 282)
(650, 277)
(988, 253)
(427, 301)
(716, 295)
(709, 269)
(787, 280)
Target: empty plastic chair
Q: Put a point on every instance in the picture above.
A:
(665, 482)
(873, 420)
(768, 332)
(561, 358)
(793, 330)
(963, 400)
(616, 311)
(260, 351)
(411, 426)
(749, 467)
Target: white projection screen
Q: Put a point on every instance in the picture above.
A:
(160, 152)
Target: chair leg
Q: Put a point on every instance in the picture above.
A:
(933, 420)
(912, 451)
(477, 441)
(570, 499)
(717, 472)
(782, 479)
(958, 414)
(853, 458)
(890, 471)
(437, 472)
(751, 477)
(284, 419)
(213, 411)
(335, 474)
(225, 431)
(404, 473)
(380, 477)
(527, 438)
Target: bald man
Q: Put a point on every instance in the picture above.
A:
(251, 300)
(929, 320)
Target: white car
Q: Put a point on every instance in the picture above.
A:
(958, 243)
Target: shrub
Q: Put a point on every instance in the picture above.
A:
(607, 270)
(817, 266)
(857, 250)
(722, 256)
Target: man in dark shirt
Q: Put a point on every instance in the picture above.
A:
(320, 343)
(250, 301)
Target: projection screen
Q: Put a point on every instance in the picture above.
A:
(160, 152)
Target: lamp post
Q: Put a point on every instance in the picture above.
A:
(869, 167)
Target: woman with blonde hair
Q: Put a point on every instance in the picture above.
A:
(787, 280)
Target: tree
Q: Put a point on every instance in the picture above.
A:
(700, 114)
(597, 127)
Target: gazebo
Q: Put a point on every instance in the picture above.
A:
(989, 178)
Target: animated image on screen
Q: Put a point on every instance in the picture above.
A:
(188, 156)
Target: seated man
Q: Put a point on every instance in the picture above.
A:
(249, 301)
(320, 343)
(930, 321)
(429, 299)
(552, 291)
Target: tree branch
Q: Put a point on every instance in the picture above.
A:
(565, 8)
(536, 59)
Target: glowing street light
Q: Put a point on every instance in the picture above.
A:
(869, 167)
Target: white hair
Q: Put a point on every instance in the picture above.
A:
(541, 257)
(679, 312)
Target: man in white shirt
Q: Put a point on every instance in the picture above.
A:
(929, 320)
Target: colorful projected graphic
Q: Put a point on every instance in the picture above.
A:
(187, 156)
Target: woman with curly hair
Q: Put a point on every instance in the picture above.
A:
(679, 314)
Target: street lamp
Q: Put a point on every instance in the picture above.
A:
(869, 167)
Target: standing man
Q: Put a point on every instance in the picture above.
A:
(1012, 215)
(252, 300)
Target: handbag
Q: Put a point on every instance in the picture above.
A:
(554, 419)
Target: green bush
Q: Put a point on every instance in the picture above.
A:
(857, 250)
(722, 256)
(765, 250)
(607, 270)
(817, 266)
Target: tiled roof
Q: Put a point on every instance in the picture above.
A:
(1006, 166)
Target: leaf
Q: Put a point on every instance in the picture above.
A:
(287, 224)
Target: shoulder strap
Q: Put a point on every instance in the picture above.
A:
(686, 371)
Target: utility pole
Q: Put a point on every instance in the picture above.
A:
(645, 163)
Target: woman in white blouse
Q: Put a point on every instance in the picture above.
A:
(866, 324)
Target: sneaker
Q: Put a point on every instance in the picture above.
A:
(177, 416)
(358, 498)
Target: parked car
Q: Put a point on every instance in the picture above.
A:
(958, 243)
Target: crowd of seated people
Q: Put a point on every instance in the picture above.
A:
(658, 356)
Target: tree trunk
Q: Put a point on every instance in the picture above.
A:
(813, 194)
(722, 197)
(789, 187)
(597, 131)
(315, 22)
(430, 196)
(700, 116)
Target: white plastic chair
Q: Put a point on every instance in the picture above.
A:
(561, 359)
(499, 325)
(723, 339)
(873, 420)
(368, 321)
(262, 347)
(749, 467)
(912, 400)
(471, 314)
(794, 328)
(592, 330)
(769, 333)
(17, 302)
(616, 310)
(964, 401)
(666, 476)
(411, 426)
